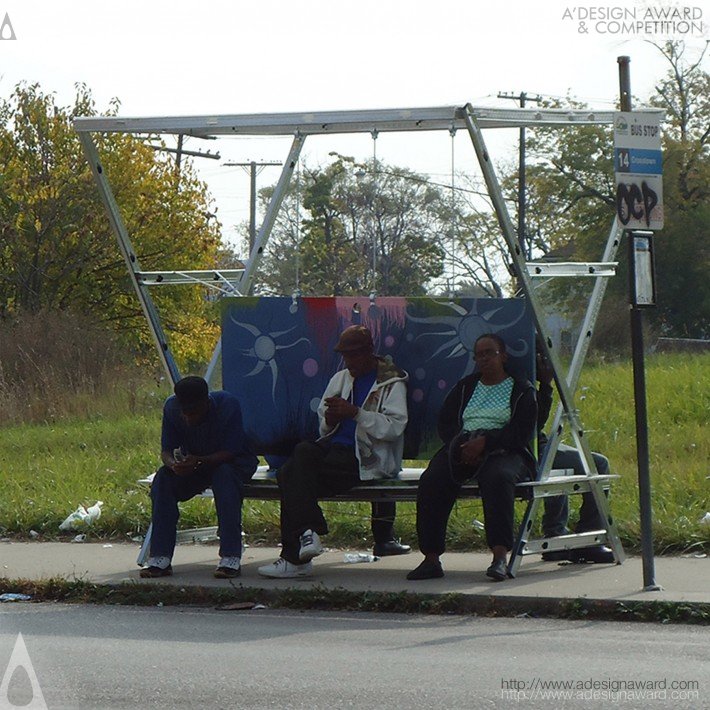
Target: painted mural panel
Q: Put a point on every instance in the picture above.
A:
(277, 356)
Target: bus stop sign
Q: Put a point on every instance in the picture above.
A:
(637, 169)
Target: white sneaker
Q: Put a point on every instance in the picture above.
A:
(282, 569)
(310, 546)
(231, 562)
(159, 562)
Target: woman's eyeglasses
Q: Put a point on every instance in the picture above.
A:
(485, 354)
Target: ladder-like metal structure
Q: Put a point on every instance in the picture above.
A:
(449, 118)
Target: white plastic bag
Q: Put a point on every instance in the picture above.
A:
(82, 517)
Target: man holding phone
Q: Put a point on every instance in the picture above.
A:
(203, 445)
(362, 417)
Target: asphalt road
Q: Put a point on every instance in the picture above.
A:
(93, 657)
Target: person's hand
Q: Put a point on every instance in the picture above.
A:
(338, 409)
(472, 450)
(543, 369)
(186, 467)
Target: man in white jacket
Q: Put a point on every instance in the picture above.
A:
(362, 417)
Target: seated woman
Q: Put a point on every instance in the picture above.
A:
(487, 424)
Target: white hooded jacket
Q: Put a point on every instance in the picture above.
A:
(380, 421)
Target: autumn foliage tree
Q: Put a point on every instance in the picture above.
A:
(57, 251)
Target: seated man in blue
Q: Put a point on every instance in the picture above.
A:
(203, 444)
(362, 417)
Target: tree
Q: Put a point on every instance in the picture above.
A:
(348, 214)
(477, 250)
(571, 203)
(683, 247)
(56, 247)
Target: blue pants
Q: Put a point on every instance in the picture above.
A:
(168, 489)
(554, 520)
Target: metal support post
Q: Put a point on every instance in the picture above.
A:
(642, 449)
(565, 393)
(644, 478)
(129, 256)
(245, 285)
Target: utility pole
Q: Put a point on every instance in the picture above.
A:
(252, 166)
(180, 151)
(525, 245)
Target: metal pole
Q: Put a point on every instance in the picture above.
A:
(644, 478)
(130, 257)
(245, 283)
(375, 133)
(252, 205)
(521, 186)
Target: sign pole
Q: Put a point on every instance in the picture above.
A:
(640, 274)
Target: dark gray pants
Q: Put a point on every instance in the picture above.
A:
(315, 470)
(554, 520)
(497, 478)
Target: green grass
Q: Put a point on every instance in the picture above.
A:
(48, 470)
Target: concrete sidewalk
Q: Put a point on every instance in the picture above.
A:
(683, 578)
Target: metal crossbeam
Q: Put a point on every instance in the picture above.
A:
(334, 122)
(566, 542)
(545, 269)
(169, 278)
(226, 282)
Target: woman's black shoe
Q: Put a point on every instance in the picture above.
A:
(498, 571)
(427, 570)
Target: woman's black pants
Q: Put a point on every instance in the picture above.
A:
(497, 478)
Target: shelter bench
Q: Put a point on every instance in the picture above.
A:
(277, 358)
(403, 489)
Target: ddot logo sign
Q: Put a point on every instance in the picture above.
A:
(6, 29)
(20, 658)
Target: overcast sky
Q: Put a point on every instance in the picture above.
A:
(176, 57)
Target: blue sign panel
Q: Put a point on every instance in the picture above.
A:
(636, 160)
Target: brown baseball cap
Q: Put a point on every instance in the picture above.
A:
(356, 337)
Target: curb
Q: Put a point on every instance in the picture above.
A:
(322, 598)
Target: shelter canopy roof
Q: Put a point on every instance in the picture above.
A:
(360, 121)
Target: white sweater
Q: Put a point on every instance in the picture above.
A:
(380, 421)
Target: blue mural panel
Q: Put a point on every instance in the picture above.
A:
(277, 356)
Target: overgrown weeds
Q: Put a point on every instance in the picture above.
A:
(60, 364)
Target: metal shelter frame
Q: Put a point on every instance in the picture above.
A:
(449, 118)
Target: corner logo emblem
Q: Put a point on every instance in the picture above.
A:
(6, 30)
(20, 658)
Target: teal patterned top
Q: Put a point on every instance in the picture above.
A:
(489, 406)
